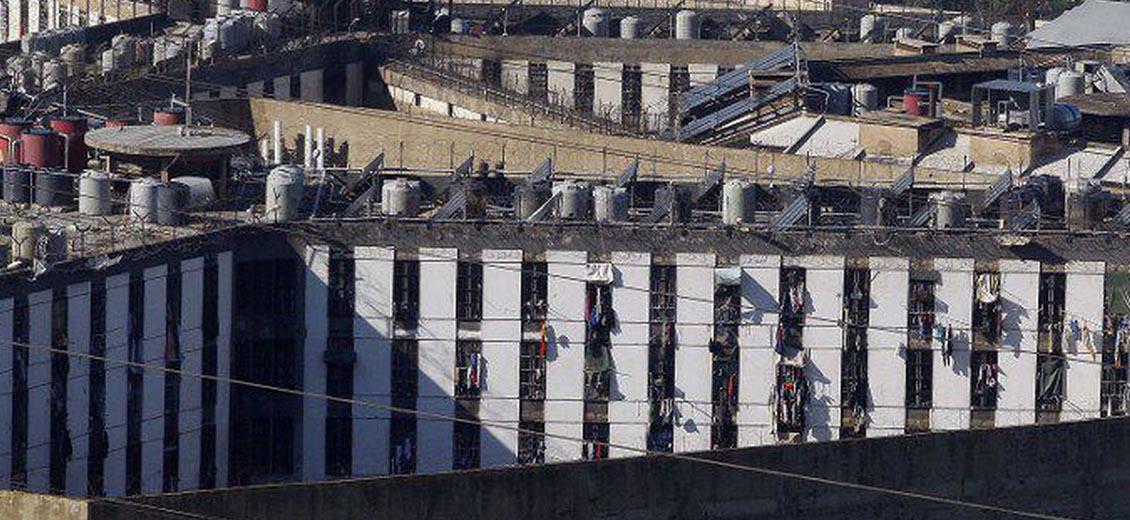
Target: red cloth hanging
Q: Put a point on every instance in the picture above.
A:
(544, 343)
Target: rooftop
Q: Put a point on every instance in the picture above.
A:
(166, 141)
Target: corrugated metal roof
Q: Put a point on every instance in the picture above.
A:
(1095, 22)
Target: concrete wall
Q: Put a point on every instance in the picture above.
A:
(694, 278)
(565, 356)
(628, 409)
(1082, 477)
(436, 381)
(501, 334)
(761, 280)
(953, 307)
(823, 343)
(886, 346)
(314, 409)
(26, 506)
(372, 340)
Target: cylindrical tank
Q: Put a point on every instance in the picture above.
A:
(946, 31)
(870, 210)
(1051, 76)
(610, 204)
(42, 148)
(143, 199)
(904, 33)
(29, 238)
(865, 97)
(125, 49)
(74, 57)
(1001, 32)
(914, 102)
(108, 63)
(527, 199)
(595, 22)
(687, 25)
(54, 74)
(143, 51)
(94, 194)
(53, 189)
(73, 129)
(1064, 117)
(257, 5)
(285, 184)
(11, 131)
(576, 197)
(949, 209)
(872, 28)
(18, 184)
(400, 197)
(1069, 83)
(224, 7)
(201, 194)
(739, 199)
(168, 116)
(629, 27)
(172, 204)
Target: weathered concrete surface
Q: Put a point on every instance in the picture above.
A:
(27, 506)
(1075, 470)
(422, 141)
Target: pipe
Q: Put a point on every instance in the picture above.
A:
(307, 148)
(277, 142)
(321, 149)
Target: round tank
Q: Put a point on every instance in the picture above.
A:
(168, 116)
(42, 148)
(870, 212)
(1069, 83)
(872, 28)
(913, 102)
(224, 7)
(53, 189)
(94, 194)
(865, 98)
(18, 184)
(629, 28)
(595, 22)
(739, 199)
(143, 51)
(1065, 117)
(1001, 32)
(610, 204)
(1051, 76)
(11, 130)
(108, 63)
(904, 33)
(201, 194)
(400, 198)
(172, 204)
(73, 129)
(687, 25)
(74, 57)
(143, 199)
(284, 193)
(527, 199)
(576, 197)
(29, 239)
(949, 209)
(257, 5)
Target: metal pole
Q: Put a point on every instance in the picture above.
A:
(188, 86)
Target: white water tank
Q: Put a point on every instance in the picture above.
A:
(285, 185)
(629, 28)
(201, 194)
(739, 200)
(687, 25)
(576, 197)
(109, 64)
(143, 199)
(74, 57)
(610, 204)
(1001, 32)
(94, 194)
(225, 6)
(595, 22)
(1069, 83)
(872, 28)
(28, 240)
(1051, 76)
(949, 209)
(865, 98)
(400, 197)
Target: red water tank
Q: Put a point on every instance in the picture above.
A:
(912, 102)
(257, 5)
(73, 130)
(42, 148)
(168, 116)
(11, 130)
(114, 123)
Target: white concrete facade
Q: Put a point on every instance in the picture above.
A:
(694, 329)
(372, 340)
(953, 308)
(886, 346)
(436, 384)
(1016, 394)
(501, 334)
(628, 409)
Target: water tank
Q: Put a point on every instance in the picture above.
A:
(54, 74)
(1069, 83)
(29, 240)
(1001, 32)
(687, 25)
(18, 184)
(143, 51)
(865, 98)
(914, 102)
(224, 7)
(739, 199)
(74, 57)
(53, 189)
(201, 194)
(108, 62)
(1064, 117)
(125, 50)
(11, 131)
(168, 116)
(610, 204)
(172, 204)
(904, 33)
(629, 28)
(400, 197)
(257, 5)
(527, 199)
(870, 207)
(143, 199)
(285, 184)
(42, 148)
(872, 28)
(595, 22)
(1051, 76)
(576, 197)
(73, 129)
(949, 209)
(94, 194)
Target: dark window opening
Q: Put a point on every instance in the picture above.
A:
(60, 451)
(469, 291)
(134, 383)
(600, 319)
(402, 430)
(535, 288)
(531, 367)
(339, 420)
(790, 333)
(406, 293)
(468, 369)
(531, 442)
(920, 312)
(98, 442)
(791, 398)
(919, 378)
(984, 374)
(339, 360)
(595, 446)
(664, 294)
(725, 361)
(663, 299)
(20, 360)
(210, 328)
(1051, 374)
(986, 309)
(467, 436)
(853, 366)
(173, 358)
(1052, 301)
(402, 443)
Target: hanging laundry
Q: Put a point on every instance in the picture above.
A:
(474, 376)
(947, 346)
(1088, 341)
(780, 340)
(988, 288)
(939, 335)
(730, 387)
(544, 332)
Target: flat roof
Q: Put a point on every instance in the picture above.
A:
(166, 141)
